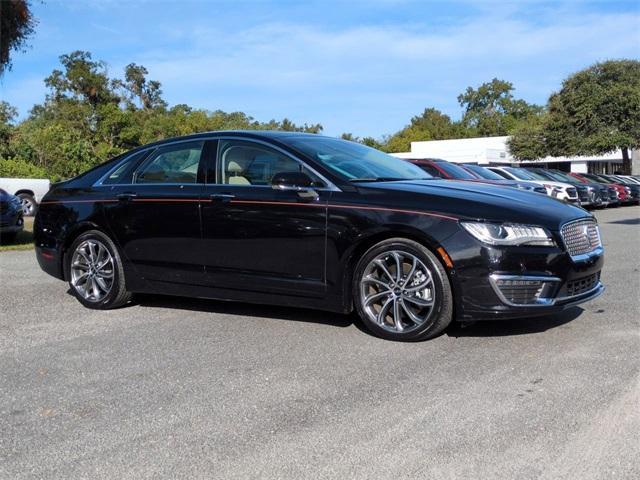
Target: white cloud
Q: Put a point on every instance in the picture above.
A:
(303, 66)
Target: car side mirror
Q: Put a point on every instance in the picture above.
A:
(296, 182)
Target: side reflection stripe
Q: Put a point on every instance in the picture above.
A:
(55, 202)
(260, 202)
(352, 207)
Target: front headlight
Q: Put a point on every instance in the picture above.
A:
(509, 234)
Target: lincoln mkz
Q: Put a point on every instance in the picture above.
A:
(309, 221)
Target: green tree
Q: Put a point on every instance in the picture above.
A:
(8, 113)
(16, 25)
(492, 110)
(147, 93)
(88, 117)
(596, 111)
(83, 80)
(432, 124)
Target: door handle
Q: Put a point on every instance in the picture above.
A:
(126, 196)
(221, 197)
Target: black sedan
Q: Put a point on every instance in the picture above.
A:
(300, 219)
(11, 217)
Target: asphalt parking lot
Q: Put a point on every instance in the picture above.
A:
(179, 388)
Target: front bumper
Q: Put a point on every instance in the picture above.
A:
(11, 223)
(536, 281)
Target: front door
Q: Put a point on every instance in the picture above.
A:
(257, 238)
(156, 220)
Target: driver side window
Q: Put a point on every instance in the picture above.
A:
(247, 163)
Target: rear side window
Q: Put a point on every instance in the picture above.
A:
(172, 164)
(123, 174)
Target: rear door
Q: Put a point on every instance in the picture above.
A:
(156, 220)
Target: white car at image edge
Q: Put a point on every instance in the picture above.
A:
(29, 190)
(559, 190)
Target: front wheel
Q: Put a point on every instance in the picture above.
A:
(95, 272)
(402, 292)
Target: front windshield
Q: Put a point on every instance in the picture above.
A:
(352, 161)
(456, 171)
(483, 172)
(595, 178)
(563, 177)
(522, 174)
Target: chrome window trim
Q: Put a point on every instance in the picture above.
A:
(331, 187)
(545, 302)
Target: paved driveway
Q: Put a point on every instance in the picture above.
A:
(202, 389)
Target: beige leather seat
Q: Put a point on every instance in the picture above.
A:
(233, 174)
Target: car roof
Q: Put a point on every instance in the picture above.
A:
(247, 133)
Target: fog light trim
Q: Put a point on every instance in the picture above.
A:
(525, 290)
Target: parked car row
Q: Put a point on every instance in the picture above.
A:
(585, 190)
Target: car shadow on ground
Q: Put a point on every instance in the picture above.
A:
(489, 328)
(628, 221)
(245, 309)
(519, 326)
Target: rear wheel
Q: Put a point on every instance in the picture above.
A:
(402, 292)
(95, 272)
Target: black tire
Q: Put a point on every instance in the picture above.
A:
(442, 310)
(118, 295)
(29, 200)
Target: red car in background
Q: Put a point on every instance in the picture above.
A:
(623, 193)
(449, 171)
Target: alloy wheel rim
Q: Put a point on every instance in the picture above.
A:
(27, 206)
(397, 291)
(92, 270)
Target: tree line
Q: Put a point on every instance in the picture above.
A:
(88, 117)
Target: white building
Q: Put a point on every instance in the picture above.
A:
(494, 151)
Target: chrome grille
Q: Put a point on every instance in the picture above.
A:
(581, 237)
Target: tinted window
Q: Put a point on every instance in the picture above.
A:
(430, 169)
(455, 171)
(351, 160)
(172, 164)
(123, 174)
(248, 163)
(502, 174)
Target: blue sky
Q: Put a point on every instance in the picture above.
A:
(364, 67)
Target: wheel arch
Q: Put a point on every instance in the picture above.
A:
(365, 243)
(27, 191)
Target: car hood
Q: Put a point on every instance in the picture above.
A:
(474, 200)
